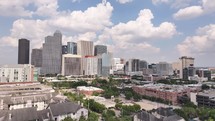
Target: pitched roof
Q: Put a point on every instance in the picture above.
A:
(25, 114)
(173, 118)
(64, 108)
(145, 116)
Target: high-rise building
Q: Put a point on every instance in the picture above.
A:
(64, 49)
(71, 64)
(106, 64)
(52, 54)
(17, 73)
(36, 57)
(117, 64)
(91, 67)
(164, 69)
(23, 51)
(100, 49)
(85, 48)
(134, 65)
(187, 67)
(143, 65)
(72, 48)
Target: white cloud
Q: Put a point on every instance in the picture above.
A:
(155, 2)
(135, 35)
(207, 7)
(79, 24)
(20, 8)
(124, 1)
(142, 29)
(188, 13)
(200, 44)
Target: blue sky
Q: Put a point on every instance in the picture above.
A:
(153, 30)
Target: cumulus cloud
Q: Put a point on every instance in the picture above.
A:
(124, 1)
(188, 13)
(20, 8)
(200, 44)
(135, 35)
(80, 24)
(173, 3)
(207, 7)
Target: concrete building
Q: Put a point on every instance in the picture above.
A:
(106, 64)
(187, 67)
(17, 73)
(153, 67)
(23, 51)
(176, 67)
(143, 65)
(164, 69)
(36, 57)
(88, 90)
(203, 73)
(90, 66)
(85, 48)
(206, 99)
(100, 49)
(117, 64)
(52, 54)
(72, 48)
(71, 64)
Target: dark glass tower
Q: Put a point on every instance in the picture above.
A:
(23, 51)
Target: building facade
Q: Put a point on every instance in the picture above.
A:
(90, 65)
(72, 48)
(52, 54)
(100, 49)
(36, 57)
(64, 49)
(71, 64)
(187, 67)
(23, 51)
(17, 73)
(164, 69)
(106, 64)
(85, 48)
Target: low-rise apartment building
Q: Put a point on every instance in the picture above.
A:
(165, 92)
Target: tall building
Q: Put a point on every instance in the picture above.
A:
(85, 48)
(100, 49)
(106, 64)
(187, 67)
(36, 57)
(72, 48)
(143, 65)
(117, 64)
(17, 73)
(23, 51)
(134, 65)
(64, 49)
(52, 54)
(71, 64)
(91, 67)
(164, 69)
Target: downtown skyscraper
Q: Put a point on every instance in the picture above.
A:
(52, 54)
(23, 51)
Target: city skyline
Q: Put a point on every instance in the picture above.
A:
(153, 30)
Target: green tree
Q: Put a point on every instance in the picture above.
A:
(68, 119)
(93, 116)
